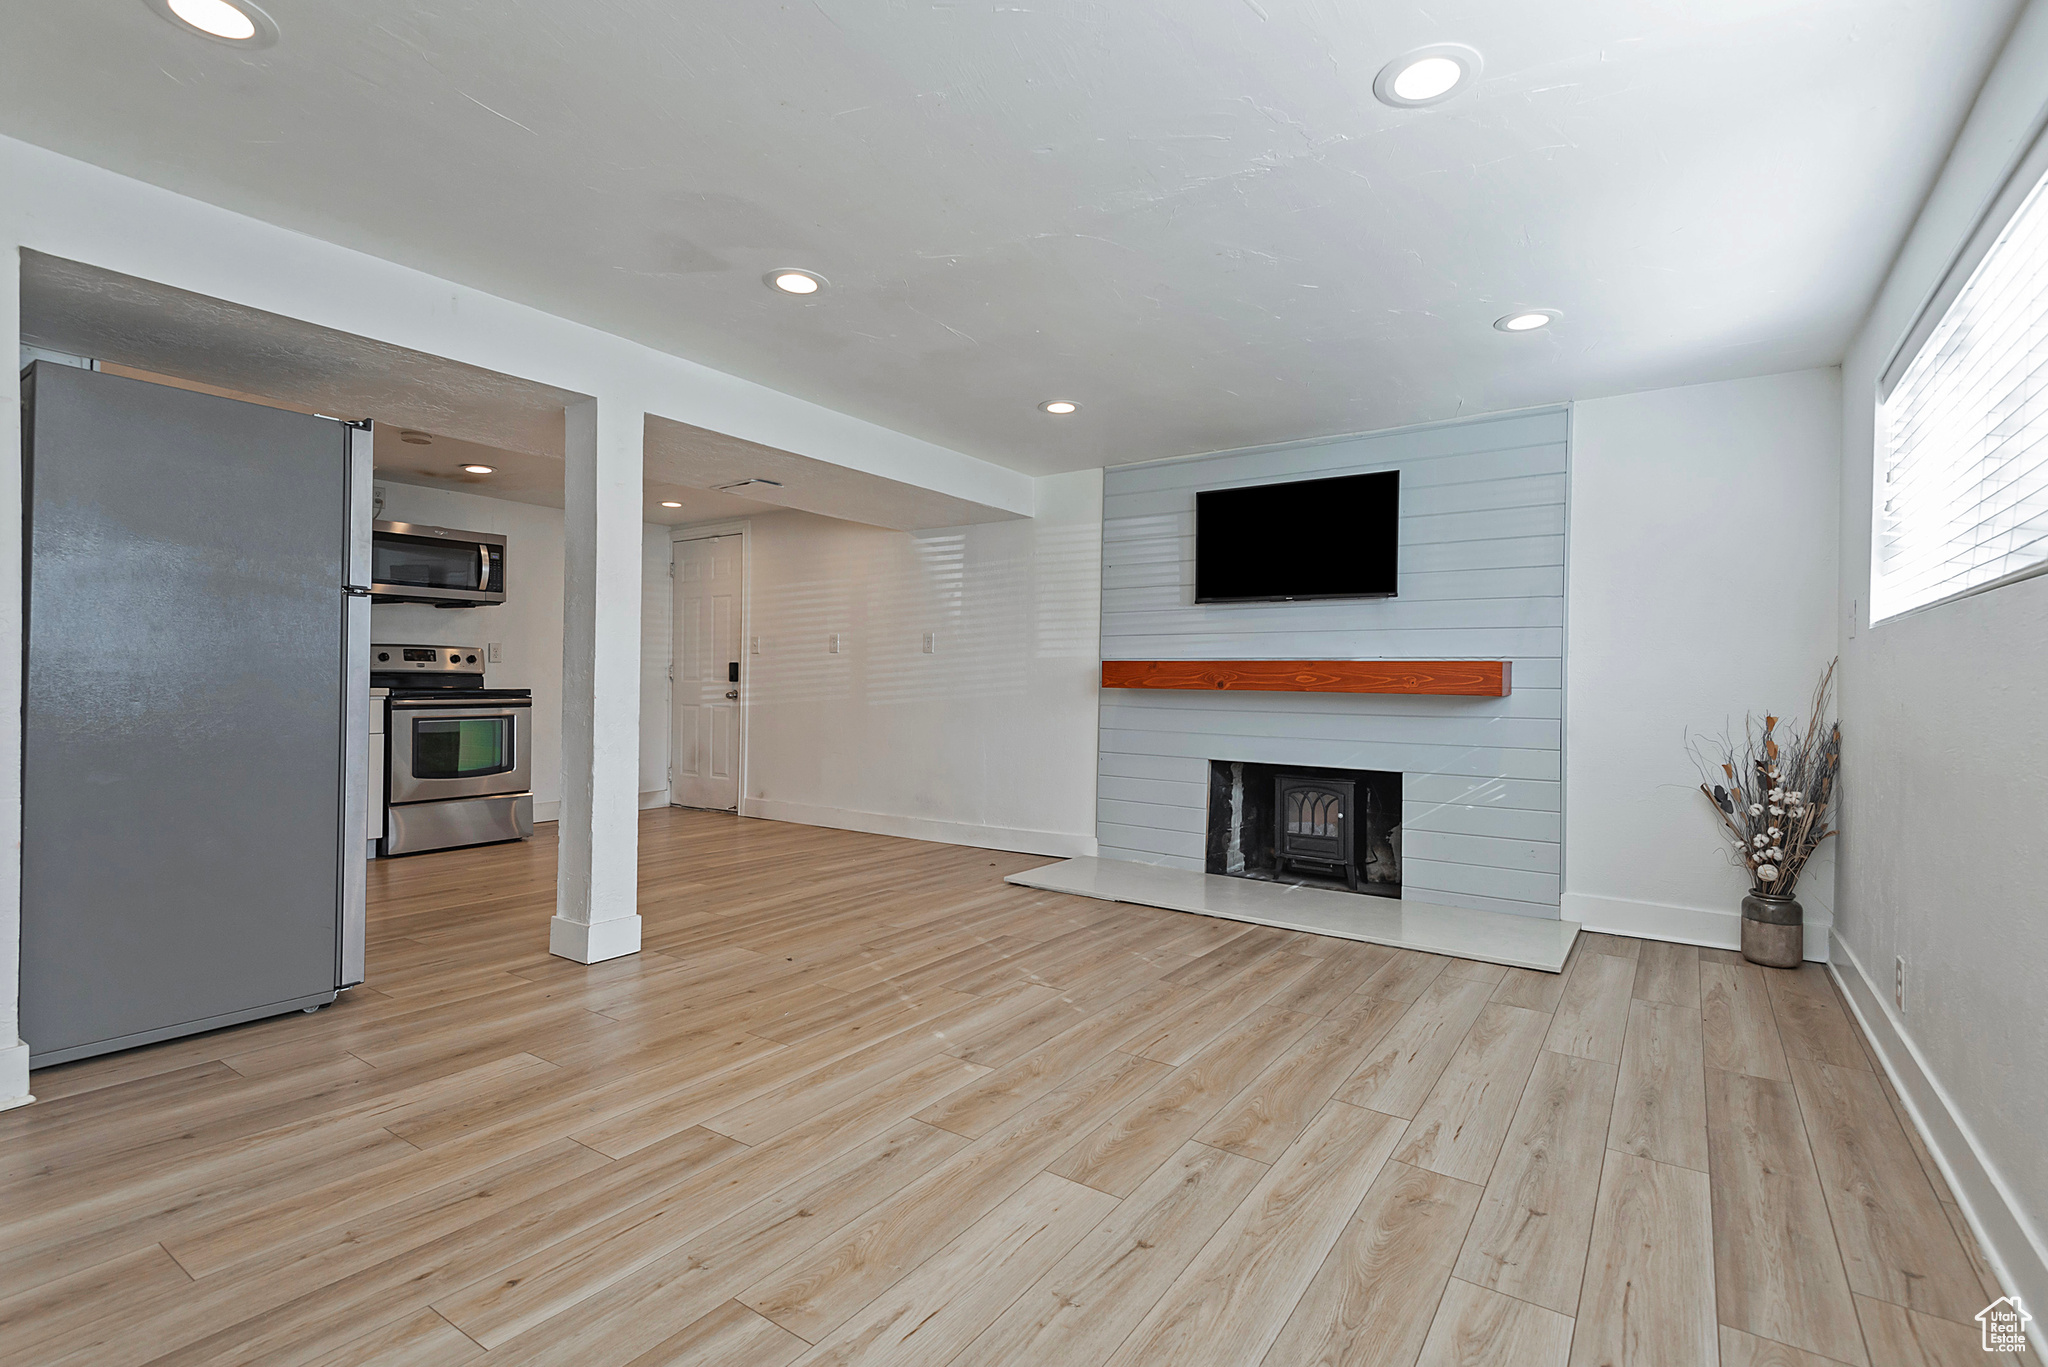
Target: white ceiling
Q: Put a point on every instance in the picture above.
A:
(1189, 215)
(682, 455)
(689, 467)
(526, 478)
(465, 415)
(72, 307)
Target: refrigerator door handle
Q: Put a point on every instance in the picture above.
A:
(353, 912)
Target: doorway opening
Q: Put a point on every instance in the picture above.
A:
(709, 669)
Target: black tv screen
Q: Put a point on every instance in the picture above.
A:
(1313, 538)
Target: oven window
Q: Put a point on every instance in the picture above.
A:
(461, 747)
(424, 562)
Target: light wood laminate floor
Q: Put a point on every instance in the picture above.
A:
(859, 1101)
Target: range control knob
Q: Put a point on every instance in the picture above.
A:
(384, 655)
(472, 659)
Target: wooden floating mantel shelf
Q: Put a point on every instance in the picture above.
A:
(1440, 678)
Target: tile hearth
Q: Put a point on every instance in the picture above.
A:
(1488, 936)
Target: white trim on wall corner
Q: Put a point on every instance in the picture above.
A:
(1057, 844)
(1714, 928)
(1564, 665)
(2017, 1252)
(14, 1076)
(653, 798)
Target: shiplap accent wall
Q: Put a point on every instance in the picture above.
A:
(1481, 577)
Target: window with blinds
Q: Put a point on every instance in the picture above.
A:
(1962, 478)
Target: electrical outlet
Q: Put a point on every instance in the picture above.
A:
(832, 644)
(931, 643)
(494, 653)
(1899, 982)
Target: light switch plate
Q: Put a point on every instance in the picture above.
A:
(753, 645)
(494, 653)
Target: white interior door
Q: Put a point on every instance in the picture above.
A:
(705, 763)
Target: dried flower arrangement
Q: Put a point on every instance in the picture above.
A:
(1774, 803)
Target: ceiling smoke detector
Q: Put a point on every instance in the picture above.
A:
(412, 438)
(790, 280)
(235, 25)
(1527, 320)
(1428, 75)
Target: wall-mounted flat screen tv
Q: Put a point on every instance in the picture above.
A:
(1312, 538)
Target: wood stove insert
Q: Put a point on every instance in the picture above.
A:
(1337, 828)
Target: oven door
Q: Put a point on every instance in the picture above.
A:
(451, 749)
(414, 563)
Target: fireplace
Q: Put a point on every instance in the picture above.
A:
(1290, 823)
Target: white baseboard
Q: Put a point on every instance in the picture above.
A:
(1714, 928)
(2015, 1249)
(552, 811)
(592, 942)
(1059, 843)
(14, 1076)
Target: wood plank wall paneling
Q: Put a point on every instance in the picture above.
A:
(1481, 578)
(1437, 678)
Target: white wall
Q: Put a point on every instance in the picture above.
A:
(1702, 587)
(1945, 724)
(989, 741)
(529, 623)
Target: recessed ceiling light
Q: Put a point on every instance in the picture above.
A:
(480, 469)
(1528, 320)
(792, 281)
(1428, 75)
(670, 503)
(238, 24)
(1059, 407)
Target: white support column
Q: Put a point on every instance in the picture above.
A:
(13, 1053)
(597, 913)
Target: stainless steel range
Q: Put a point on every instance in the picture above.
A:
(460, 768)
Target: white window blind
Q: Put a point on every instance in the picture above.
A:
(1962, 490)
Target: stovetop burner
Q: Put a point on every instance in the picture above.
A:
(415, 671)
(400, 693)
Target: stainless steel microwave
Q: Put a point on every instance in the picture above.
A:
(414, 563)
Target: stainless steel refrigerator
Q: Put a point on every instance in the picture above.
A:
(195, 711)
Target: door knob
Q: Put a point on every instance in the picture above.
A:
(732, 693)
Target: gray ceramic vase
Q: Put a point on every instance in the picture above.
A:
(1773, 931)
